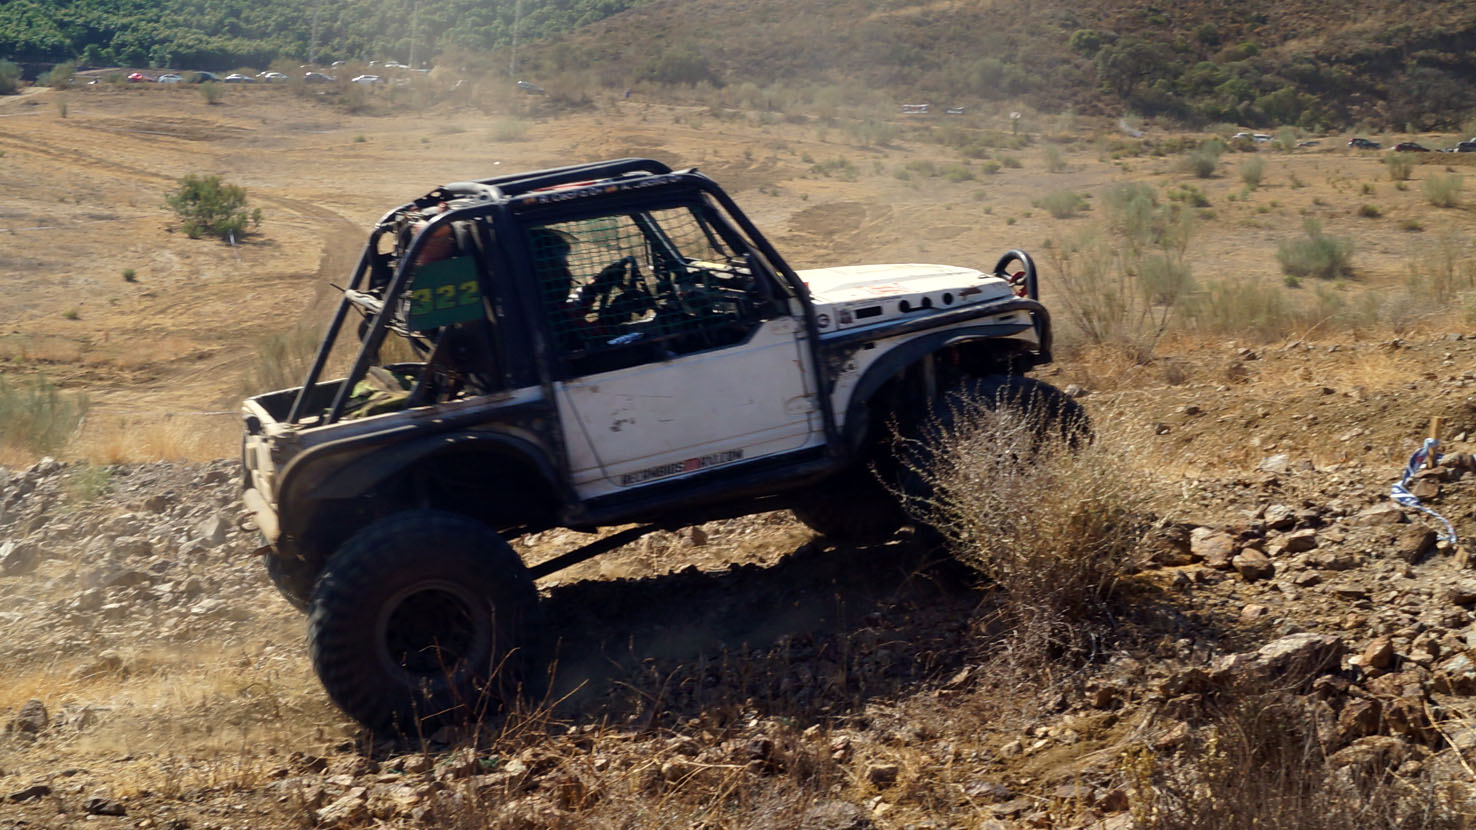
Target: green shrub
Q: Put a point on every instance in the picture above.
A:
(1251, 172)
(991, 167)
(1443, 189)
(840, 168)
(205, 204)
(1316, 254)
(1054, 161)
(1400, 165)
(212, 92)
(1411, 225)
(1062, 204)
(10, 76)
(1189, 195)
(130, 275)
(1370, 212)
(679, 64)
(61, 76)
(1203, 160)
(958, 173)
(36, 416)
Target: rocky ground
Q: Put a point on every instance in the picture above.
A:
(744, 674)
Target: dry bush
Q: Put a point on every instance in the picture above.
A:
(1444, 271)
(1051, 518)
(1252, 171)
(1202, 161)
(37, 417)
(188, 437)
(1316, 254)
(1121, 287)
(1259, 763)
(282, 360)
(1443, 190)
(1400, 165)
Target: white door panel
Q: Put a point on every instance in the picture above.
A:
(658, 421)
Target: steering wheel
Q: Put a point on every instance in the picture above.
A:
(620, 293)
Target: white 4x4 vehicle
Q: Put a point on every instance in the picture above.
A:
(606, 344)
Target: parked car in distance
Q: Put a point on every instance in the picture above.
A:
(139, 77)
(1465, 147)
(170, 78)
(1410, 147)
(272, 77)
(201, 76)
(530, 87)
(368, 79)
(1363, 144)
(318, 78)
(238, 78)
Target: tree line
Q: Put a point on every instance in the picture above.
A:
(221, 34)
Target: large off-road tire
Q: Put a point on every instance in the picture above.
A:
(1052, 413)
(421, 618)
(293, 578)
(852, 507)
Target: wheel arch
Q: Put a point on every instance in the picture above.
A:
(500, 479)
(966, 351)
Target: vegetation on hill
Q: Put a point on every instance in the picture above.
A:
(220, 34)
(1295, 62)
(1254, 63)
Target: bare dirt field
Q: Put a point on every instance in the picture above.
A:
(745, 674)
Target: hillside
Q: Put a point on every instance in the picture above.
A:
(1255, 63)
(1259, 62)
(223, 34)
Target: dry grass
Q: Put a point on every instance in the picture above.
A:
(1258, 762)
(187, 437)
(1051, 519)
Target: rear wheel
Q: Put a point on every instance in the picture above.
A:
(421, 618)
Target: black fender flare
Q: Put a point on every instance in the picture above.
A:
(377, 463)
(893, 362)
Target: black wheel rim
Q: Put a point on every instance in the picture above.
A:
(434, 632)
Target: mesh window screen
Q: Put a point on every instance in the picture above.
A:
(652, 283)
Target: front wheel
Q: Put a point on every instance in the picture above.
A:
(1042, 411)
(852, 507)
(421, 618)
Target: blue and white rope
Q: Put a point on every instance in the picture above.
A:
(1401, 494)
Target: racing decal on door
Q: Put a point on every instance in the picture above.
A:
(691, 465)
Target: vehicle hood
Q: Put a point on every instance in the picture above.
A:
(856, 295)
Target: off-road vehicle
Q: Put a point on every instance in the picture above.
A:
(584, 347)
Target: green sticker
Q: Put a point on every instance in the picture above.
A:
(445, 292)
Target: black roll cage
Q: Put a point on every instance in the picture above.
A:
(501, 200)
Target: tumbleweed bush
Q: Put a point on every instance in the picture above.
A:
(1051, 516)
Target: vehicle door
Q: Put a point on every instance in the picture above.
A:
(678, 347)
